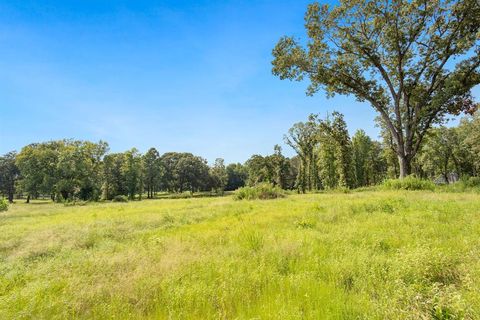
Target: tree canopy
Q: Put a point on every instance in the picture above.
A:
(415, 62)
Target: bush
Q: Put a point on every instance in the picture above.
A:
(466, 184)
(408, 183)
(3, 205)
(472, 182)
(120, 198)
(261, 191)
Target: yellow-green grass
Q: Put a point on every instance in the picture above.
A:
(369, 255)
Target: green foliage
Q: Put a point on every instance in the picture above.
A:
(218, 176)
(120, 198)
(65, 168)
(184, 172)
(9, 174)
(438, 156)
(152, 171)
(472, 182)
(133, 173)
(274, 169)
(262, 191)
(413, 67)
(69, 170)
(237, 176)
(370, 165)
(3, 204)
(303, 137)
(336, 156)
(408, 183)
(325, 153)
(466, 184)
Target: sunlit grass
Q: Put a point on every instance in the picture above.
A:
(372, 255)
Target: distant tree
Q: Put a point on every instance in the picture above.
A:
(334, 133)
(303, 138)
(370, 165)
(9, 174)
(37, 163)
(327, 163)
(362, 147)
(293, 172)
(260, 169)
(184, 171)
(152, 171)
(91, 168)
(63, 169)
(192, 173)
(78, 169)
(414, 61)
(219, 175)
(237, 176)
(378, 165)
(274, 169)
(113, 177)
(132, 170)
(168, 163)
(469, 133)
(448, 150)
(280, 167)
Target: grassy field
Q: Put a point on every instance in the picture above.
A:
(364, 255)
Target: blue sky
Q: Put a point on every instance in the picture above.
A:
(177, 75)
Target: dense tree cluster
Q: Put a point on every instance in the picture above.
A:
(69, 169)
(329, 158)
(414, 62)
(326, 158)
(275, 169)
(451, 150)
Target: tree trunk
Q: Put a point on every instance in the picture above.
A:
(28, 199)
(445, 172)
(405, 165)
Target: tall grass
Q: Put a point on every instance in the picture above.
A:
(366, 255)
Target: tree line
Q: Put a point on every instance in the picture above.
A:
(327, 157)
(414, 62)
(71, 169)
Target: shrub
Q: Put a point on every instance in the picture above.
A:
(3, 205)
(261, 191)
(472, 182)
(408, 183)
(120, 198)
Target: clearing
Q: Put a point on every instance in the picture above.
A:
(369, 255)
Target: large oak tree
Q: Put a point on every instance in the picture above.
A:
(415, 61)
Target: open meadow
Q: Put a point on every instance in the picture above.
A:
(358, 255)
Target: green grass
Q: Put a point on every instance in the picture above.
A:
(368, 255)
